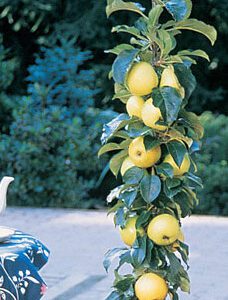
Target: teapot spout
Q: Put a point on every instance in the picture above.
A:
(3, 191)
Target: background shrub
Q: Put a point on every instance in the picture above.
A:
(213, 165)
(52, 144)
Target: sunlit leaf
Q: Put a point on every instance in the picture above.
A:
(116, 5)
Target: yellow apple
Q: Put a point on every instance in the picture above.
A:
(142, 79)
(140, 157)
(151, 114)
(134, 106)
(163, 230)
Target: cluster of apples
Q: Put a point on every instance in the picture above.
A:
(164, 229)
(141, 81)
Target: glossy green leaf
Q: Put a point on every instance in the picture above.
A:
(111, 255)
(177, 150)
(179, 9)
(182, 199)
(198, 26)
(128, 196)
(109, 147)
(124, 284)
(144, 217)
(167, 42)
(122, 65)
(117, 5)
(110, 128)
(138, 251)
(121, 93)
(169, 101)
(129, 29)
(199, 53)
(186, 79)
(165, 169)
(116, 161)
(150, 187)
(151, 142)
(137, 128)
(133, 175)
(119, 218)
(119, 48)
(172, 187)
(115, 296)
(193, 121)
(192, 178)
(154, 15)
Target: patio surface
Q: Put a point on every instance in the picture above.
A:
(78, 239)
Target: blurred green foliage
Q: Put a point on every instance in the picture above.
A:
(52, 143)
(50, 100)
(213, 165)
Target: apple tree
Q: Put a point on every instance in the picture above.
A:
(152, 145)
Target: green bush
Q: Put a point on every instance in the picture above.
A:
(213, 165)
(51, 148)
(53, 157)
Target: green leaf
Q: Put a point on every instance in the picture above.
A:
(198, 26)
(151, 142)
(119, 48)
(167, 42)
(109, 147)
(183, 201)
(198, 52)
(194, 179)
(193, 121)
(172, 187)
(137, 128)
(129, 29)
(124, 284)
(115, 296)
(110, 128)
(177, 150)
(133, 176)
(144, 217)
(111, 255)
(138, 251)
(150, 187)
(116, 5)
(116, 161)
(179, 9)
(122, 65)
(184, 284)
(169, 101)
(128, 196)
(186, 79)
(154, 15)
(121, 93)
(119, 218)
(165, 169)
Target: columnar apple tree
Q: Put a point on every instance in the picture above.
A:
(153, 143)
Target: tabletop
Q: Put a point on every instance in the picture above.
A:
(21, 258)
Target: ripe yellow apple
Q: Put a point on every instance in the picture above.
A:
(134, 106)
(126, 165)
(151, 114)
(185, 166)
(163, 230)
(151, 286)
(176, 244)
(140, 157)
(169, 78)
(141, 79)
(129, 233)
